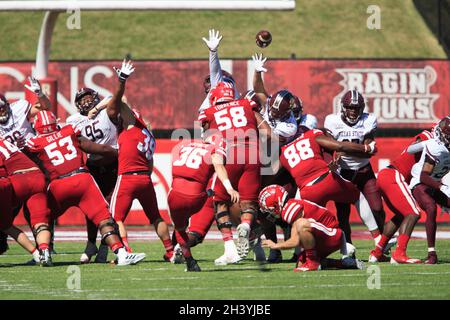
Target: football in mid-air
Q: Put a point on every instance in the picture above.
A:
(263, 38)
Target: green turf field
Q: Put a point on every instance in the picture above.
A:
(155, 279)
(316, 29)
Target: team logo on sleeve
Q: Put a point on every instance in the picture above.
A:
(393, 95)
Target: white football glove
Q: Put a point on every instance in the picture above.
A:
(258, 62)
(372, 147)
(125, 71)
(34, 86)
(214, 40)
(445, 190)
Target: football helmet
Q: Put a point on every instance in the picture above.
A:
(226, 77)
(442, 131)
(83, 103)
(297, 108)
(271, 201)
(251, 96)
(352, 107)
(223, 92)
(281, 104)
(5, 110)
(45, 122)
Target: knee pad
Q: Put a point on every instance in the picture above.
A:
(42, 227)
(195, 238)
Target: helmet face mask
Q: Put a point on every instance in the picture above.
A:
(5, 110)
(297, 108)
(352, 107)
(85, 100)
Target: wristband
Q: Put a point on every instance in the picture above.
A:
(227, 184)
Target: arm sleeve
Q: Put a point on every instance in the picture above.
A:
(215, 70)
(415, 148)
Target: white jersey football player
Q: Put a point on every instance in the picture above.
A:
(216, 74)
(93, 122)
(15, 117)
(427, 183)
(303, 119)
(354, 125)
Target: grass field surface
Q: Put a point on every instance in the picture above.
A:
(155, 279)
(316, 29)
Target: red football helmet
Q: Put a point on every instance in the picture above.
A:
(251, 96)
(442, 131)
(271, 201)
(281, 104)
(45, 122)
(223, 92)
(226, 77)
(297, 108)
(83, 102)
(5, 110)
(352, 107)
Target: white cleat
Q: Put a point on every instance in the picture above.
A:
(45, 259)
(177, 257)
(243, 244)
(227, 259)
(124, 258)
(84, 259)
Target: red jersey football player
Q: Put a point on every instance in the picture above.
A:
(7, 149)
(393, 182)
(136, 147)
(238, 121)
(303, 158)
(192, 167)
(28, 183)
(61, 153)
(314, 229)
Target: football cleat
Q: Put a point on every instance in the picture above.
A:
(275, 256)
(227, 259)
(351, 263)
(177, 257)
(403, 259)
(3, 242)
(243, 244)
(309, 265)
(90, 251)
(432, 258)
(45, 258)
(102, 254)
(258, 252)
(192, 265)
(124, 258)
(374, 257)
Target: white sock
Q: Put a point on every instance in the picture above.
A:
(431, 249)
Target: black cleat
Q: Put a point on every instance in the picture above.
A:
(192, 265)
(275, 256)
(102, 254)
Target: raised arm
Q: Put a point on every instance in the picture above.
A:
(258, 83)
(215, 70)
(44, 102)
(114, 105)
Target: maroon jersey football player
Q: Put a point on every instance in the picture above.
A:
(393, 183)
(239, 122)
(192, 167)
(61, 153)
(314, 229)
(136, 147)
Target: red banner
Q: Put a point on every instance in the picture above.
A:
(389, 148)
(400, 92)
